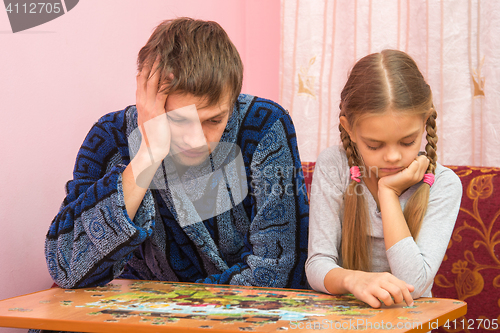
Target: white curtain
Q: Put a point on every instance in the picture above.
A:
(456, 44)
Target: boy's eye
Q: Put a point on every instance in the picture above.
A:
(215, 121)
(177, 120)
(170, 118)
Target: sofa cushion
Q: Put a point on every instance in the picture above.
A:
(471, 267)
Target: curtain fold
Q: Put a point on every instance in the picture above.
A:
(456, 44)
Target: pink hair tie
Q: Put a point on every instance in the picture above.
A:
(429, 178)
(355, 173)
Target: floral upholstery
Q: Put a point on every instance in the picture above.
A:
(471, 267)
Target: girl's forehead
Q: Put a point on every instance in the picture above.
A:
(391, 116)
(389, 124)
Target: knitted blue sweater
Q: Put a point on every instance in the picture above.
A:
(262, 241)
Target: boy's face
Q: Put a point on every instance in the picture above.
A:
(195, 129)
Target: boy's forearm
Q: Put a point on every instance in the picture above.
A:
(136, 179)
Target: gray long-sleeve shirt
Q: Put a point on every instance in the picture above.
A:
(415, 262)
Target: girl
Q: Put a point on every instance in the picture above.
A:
(381, 213)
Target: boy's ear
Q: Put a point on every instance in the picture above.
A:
(345, 124)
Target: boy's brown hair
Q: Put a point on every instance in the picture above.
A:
(203, 60)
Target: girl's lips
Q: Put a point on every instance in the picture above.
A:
(391, 169)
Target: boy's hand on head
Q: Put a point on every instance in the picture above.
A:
(152, 119)
(407, 177)
(377, 289)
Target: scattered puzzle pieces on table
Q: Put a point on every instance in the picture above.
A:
(224, 307)
(20, 309)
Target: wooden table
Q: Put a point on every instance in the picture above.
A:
(152, 306)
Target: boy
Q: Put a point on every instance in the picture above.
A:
(194, 183)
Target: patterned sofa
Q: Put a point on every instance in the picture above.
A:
(471, 267)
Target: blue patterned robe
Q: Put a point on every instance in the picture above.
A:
(260, 242)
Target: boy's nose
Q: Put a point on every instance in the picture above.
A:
(194, 137)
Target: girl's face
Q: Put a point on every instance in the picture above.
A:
(388, 143)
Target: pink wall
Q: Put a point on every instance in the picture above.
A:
(58, 78)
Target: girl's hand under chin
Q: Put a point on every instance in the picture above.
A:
(407, 177)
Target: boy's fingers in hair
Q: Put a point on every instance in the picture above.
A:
(140, 93)
(144, 74)
(160, 104)
(161, 96)
(142, 81)
(153, 69)
(152, 83)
